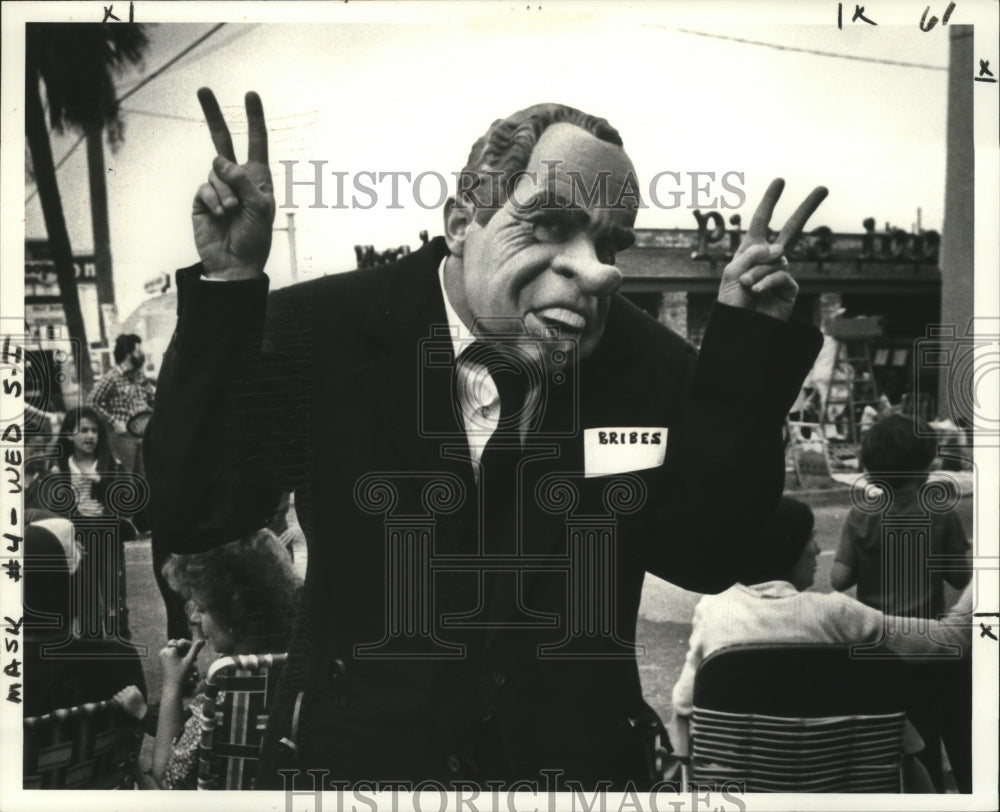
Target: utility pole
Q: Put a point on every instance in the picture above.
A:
(957, 262)
(37, 133)
(292, 259)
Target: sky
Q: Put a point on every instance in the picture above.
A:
(394, 96)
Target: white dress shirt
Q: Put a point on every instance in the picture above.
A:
(478, 395)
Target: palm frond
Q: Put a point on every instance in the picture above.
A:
(78, 63)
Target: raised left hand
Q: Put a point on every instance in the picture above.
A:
(130, 700)
(757, 278)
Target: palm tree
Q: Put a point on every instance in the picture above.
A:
(77, 63)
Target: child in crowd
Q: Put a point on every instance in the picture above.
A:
(890, 555)
(84, 451)
(898, 451)
(241, 600)
(85, 462)
(769, 605)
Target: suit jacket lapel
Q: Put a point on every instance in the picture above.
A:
(406, 376)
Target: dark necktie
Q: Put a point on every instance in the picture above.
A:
(498, 464)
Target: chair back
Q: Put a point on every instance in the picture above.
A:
(91, 746)
(239, 692)
(797, 718)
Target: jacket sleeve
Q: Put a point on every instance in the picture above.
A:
(214, 448)
(956, 544)
(724, 469)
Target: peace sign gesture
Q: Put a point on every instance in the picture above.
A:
(234, 211)
(757, 278)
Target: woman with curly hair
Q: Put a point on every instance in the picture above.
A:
(85, 462)
(241, 600)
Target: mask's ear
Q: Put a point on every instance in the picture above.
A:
(458, 219)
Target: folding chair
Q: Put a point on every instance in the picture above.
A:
(239, 692)
(797, 718)
(92, 746)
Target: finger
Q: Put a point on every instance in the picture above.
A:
(238, 179)
(762, 216)
(797, 221)
(256, 128)
(207, 199)
(193, 652)
(226, 196)
(758, 272)
(216, 124)
(779, 283)
(758, 254)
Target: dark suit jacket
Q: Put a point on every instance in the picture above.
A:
(345, 397)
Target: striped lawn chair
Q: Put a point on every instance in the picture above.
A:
(239, 692)
(91, 746)
(797, 718)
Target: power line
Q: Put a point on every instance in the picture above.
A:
(137, 112)
(234, 130)
(810, 51)
(62, 160)
(244, 30)
(135, 88)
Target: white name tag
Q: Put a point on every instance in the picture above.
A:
(617, 449)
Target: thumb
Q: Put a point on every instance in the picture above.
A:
(756, 254)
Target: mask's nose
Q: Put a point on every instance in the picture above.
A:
(578, 260)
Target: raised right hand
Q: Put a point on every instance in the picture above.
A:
(176, 659)
(234, 211)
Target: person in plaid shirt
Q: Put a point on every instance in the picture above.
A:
(122, 393)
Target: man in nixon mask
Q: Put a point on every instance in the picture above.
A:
(478, 531)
